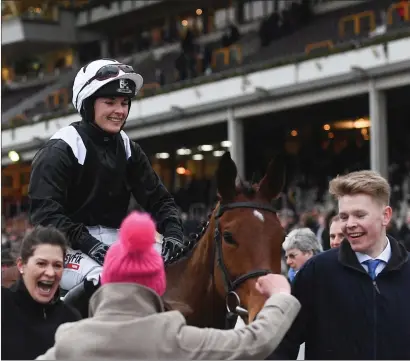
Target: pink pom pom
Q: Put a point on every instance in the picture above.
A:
(137, 232)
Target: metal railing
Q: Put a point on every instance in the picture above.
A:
(328, 44)
(356, 18)
(245, 69)
(396, 6)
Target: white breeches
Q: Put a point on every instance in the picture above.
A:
(78, 266)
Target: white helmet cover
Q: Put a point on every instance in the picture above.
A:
(83, 76)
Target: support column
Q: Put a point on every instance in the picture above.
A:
(104, 48)
(76, 59)
(236, 137)
(378, 130)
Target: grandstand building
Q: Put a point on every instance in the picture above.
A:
(324, 81)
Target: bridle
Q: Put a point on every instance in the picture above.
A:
(230, 285)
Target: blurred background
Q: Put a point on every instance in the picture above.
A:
(179, 45)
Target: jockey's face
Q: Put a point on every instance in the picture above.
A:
(43, 271)
(364, 222)
(111, 113)
(336, 234)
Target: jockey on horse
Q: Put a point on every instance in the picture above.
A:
(83, 177)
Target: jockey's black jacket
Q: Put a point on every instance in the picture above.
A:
(84, 176)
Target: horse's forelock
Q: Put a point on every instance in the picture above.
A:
(248, 189)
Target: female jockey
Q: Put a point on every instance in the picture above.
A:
(83, 177)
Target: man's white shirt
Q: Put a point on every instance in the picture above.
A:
(384, 256)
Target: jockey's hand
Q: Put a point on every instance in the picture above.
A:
(171, 246)
(97, 253)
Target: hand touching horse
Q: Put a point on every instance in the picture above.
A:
(241, 242)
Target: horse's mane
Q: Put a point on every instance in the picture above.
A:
(193, 241)
(247, 188)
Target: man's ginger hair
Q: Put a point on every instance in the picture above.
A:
(361, 182)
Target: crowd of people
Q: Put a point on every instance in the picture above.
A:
(195, 202)
(81, 182)
(133, 281)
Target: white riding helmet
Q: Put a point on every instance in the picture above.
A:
(93, 76)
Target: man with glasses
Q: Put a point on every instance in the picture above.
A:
(83, 177)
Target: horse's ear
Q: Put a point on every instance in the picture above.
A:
(273, 182)
(226, 177)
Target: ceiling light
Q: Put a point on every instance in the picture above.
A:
(162, 155)
(14, 156)
(206, 147)
(218, 153)
(197, 157)
(184, 151)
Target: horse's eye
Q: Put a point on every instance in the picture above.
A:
(228, 237)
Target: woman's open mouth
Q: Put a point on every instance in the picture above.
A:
(45, 286)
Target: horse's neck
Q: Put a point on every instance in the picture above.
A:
(190, 287)
(188, 278)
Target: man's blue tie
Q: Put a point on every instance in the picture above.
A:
(372, 265)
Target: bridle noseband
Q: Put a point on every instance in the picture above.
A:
(230, 285)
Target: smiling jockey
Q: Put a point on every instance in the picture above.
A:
(83, 177)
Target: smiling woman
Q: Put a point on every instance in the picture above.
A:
(110, 113)
(31, 310)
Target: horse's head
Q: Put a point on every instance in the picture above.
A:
(247, 233)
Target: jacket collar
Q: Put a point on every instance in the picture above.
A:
(125, 299)
(97, 134)
(399, 256)
(24, 298)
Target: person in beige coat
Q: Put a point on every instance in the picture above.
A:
(128, 321)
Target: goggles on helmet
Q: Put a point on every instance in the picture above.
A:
(107, 72)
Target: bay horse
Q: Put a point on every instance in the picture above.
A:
(214, 282)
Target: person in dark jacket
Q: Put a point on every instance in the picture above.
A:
(83, 177)
(31, 309)
(355, 298)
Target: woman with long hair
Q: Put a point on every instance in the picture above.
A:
(31, 309)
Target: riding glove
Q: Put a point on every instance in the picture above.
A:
(171, 247)
(97, 253)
